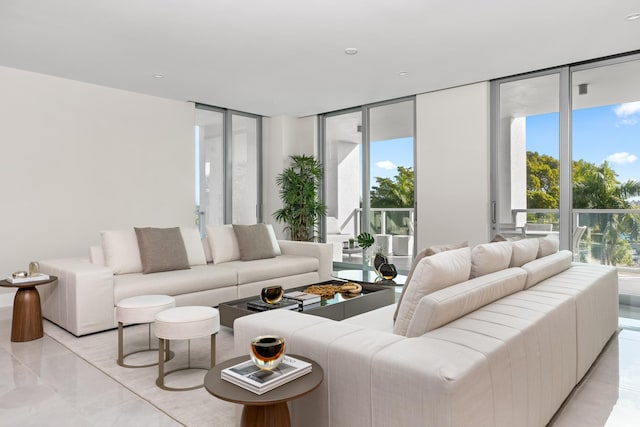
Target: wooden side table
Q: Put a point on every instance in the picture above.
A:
(269, 409)
(27, 312)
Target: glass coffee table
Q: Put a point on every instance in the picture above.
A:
(340, 307)
(368, 276)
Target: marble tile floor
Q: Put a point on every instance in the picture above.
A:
(44, 383)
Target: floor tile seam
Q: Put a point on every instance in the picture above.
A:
(116, 380)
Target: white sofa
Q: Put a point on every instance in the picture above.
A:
(83, 299)
(504, 348)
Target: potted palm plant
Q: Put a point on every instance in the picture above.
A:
(299, 191)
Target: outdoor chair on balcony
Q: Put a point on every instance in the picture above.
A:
(577, 235)
(534, 229)
(336, 237)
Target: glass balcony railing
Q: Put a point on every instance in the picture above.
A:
(612, 237)
(397, 221)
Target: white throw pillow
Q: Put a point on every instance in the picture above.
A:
(223, 243)
(453, 302)
(545, 267)
(96, 255)
(489, 257)
(121, 252)
(193, 245)
(431, 274)
(207, 250)
(548, 245)
(274, 240)
(524, 250)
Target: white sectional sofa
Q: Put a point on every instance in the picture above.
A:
(503, 348)
(83, 299)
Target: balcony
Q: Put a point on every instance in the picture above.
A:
(611, 237)
(393, 230)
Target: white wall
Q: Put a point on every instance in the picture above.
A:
(283, 136)
(79, 158)
(452, 166)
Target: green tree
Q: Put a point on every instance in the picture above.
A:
(301, 206)
(543, 183)
(396, 192)
(594, 187)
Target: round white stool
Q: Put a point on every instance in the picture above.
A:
(140, 309)
(185, 323)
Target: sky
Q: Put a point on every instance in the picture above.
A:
(387, 155)
(609, 133)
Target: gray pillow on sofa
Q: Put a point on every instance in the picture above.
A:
(161, 249)
(254, 242)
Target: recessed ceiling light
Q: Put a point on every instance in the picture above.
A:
(403, 73)
(351, 51)
(158, 75)
(633, 16)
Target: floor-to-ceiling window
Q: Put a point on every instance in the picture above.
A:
(369, 179)
(526, 176)
(565, 152)
(228, 165)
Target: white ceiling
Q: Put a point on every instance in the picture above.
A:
(287, 57)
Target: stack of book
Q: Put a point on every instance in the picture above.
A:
(303, 298)
(38, 277)
(260, 305)
(259, 381)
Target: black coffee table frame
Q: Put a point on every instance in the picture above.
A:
(336, 308)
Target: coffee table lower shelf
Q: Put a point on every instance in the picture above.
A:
(336, 308)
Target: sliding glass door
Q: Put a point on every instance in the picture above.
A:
(526, 155)
(210, 180)
(565, 159)
(245, 170)
(228, 167)
(369, 180)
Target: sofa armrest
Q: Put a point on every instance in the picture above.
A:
(82, 300)
(322, 251)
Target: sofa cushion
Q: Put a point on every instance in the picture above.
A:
(178, 282)
(193, 245)
(431, 250)
(453, 302)
(523, 251)
(121, 252)
(223, 243)
(161, 249)
(490, 257)
(431, 274)
(254, 242)
(272, 268)
(543, 268)
(548, 245)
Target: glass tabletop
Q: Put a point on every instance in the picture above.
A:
(368, 276)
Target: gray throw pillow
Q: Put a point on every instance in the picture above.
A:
(254, 242)
(161, 249)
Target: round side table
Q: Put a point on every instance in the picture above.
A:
(27, 313)
(269, 409)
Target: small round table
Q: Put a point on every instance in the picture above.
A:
(269, 409)
(27, 313)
